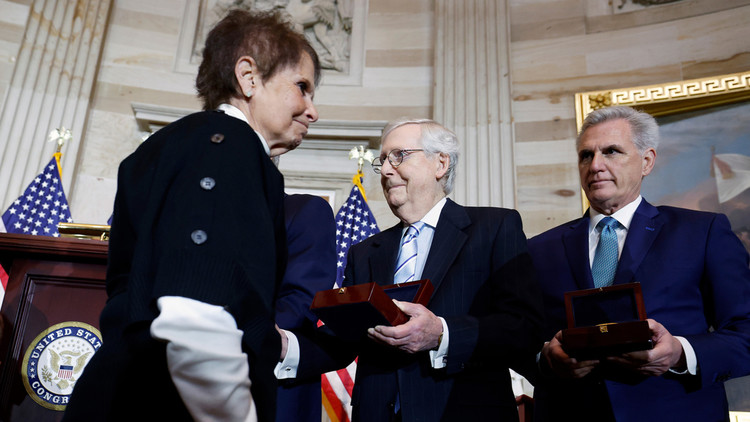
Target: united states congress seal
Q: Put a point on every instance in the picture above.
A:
(55, 360)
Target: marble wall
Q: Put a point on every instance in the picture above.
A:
(557, 48)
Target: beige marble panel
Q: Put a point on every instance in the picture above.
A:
(374, 96)
(700, 69)
(125, 74)
(124, 40)
(117, 98)
(414, 57)
(543, 106)
(714, 36)
(411, 6)
(111, 138)
(544, 152)
(530, 11)
(11, 32)
(399, 30)
(549, 197)
(536, 66)
(555, 129)
(548, 30)
(560, 89)
(533, 20)
(406, 77)
(141, 19)
(563, 176)
(14, 12)
(169, 8)
(372, 113)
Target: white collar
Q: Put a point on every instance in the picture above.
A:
(433, 215)
(624, 215)
(233, 111)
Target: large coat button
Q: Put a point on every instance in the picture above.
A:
(208, 183)
(217, 138)
(198, 236)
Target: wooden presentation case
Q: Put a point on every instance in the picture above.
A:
(350, 311)
(605, 321)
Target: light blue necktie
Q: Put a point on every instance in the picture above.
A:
(407, 257)
(605, 258)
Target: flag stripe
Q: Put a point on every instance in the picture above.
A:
(331, 402)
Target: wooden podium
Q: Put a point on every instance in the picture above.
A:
(51, 281)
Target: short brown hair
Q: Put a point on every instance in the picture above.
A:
(265, 36)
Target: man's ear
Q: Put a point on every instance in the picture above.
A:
(246, 72)
(443, 162)
(649, 159)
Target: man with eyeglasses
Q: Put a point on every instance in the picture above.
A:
(450, 360)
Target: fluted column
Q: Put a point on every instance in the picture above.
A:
(472, 96)
(50, 88)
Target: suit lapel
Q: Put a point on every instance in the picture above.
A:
(576, 245)
(382, 261)
(641, 235)
(447, 242)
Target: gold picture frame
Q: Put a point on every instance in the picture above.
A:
(667, 98)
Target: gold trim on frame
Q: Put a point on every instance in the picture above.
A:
(84, 231)
(667, 98)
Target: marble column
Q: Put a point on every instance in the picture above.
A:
(473, 97)
(51, 88)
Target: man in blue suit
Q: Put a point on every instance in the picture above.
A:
(311, 266)
(694, 276)
(450, 360)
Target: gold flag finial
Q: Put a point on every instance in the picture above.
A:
(61, 136)
(361, 154)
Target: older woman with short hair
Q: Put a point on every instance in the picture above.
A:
(197, 246)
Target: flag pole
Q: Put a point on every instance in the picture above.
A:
(361, 155)
(60, 136)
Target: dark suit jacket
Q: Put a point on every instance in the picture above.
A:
(311, 266)
(696, 282)
(484, 288)
(163, 198)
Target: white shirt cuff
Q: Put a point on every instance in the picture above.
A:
(205, 359)
(287, 368)
(439, 357)
(690, 359)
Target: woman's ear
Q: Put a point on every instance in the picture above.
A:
(246, 71)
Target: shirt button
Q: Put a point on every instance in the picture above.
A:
(217, 138)
(208, 183)
(199, 237)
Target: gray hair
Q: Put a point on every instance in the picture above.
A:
(435, 139)
(643, 127)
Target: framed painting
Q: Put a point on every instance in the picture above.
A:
(703, 158)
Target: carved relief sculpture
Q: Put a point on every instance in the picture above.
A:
(327, 24)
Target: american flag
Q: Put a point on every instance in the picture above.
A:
(354, 223)
(41, 206)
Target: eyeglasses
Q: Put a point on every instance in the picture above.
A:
(395, 157)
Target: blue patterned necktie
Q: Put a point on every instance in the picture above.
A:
(605, 258)
(407, 258)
